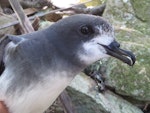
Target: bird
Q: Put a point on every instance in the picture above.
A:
(37, 67)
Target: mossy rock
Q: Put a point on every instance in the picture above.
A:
(131, 81)
(142, 9)
(87, 99)
(133, 34)
(83, 103)
(121, 13)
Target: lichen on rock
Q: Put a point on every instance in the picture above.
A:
(133, 35)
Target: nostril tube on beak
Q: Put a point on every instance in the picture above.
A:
(114, 45)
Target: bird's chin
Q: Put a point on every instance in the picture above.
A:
(123, 55)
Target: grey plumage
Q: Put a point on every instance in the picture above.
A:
(38, 66)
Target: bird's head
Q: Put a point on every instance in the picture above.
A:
(89, 38)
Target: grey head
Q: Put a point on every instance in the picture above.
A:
(83, 39)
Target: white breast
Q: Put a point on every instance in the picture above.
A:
(38, 97)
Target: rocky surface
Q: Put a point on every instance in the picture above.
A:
(87, 99)
(141, 9)
(133, 35)
(126, 14)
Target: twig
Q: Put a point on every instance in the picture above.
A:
(41, 15)
(25, 23)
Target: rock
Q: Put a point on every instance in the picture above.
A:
(134, 35)
(141, 9)
(55, 108)
(87, 99)
(121, 14)
(131, 81)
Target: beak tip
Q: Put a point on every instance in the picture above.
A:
(132, 60)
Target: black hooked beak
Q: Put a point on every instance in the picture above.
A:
(123, 55)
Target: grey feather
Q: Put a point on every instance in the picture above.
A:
(38, 66)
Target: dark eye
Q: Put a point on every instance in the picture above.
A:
(86, 30)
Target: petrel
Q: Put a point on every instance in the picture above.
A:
(37, 67)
